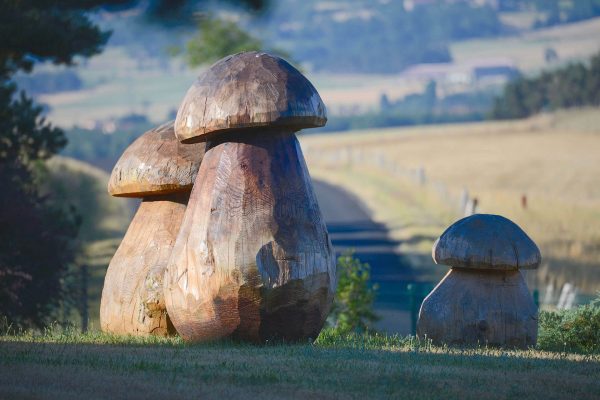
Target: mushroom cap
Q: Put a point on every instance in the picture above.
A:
(486, 241)
(156, 163)
(248, 90)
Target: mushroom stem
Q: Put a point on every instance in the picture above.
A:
(132, 298)
(253, 259)
(470, 307)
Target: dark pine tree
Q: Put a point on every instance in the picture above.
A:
(36, 233)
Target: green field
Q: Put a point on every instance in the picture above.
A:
(96, 366)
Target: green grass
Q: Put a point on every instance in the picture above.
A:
(69, 365)
(571, 330)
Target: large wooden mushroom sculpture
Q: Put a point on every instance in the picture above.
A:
(253, 259)
(484, 298)
(161, 171)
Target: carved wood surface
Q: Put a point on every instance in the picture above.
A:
(132, 297)
(470, 307)
(485, 241)
(156, 163)
(246, 90)
(253, 259)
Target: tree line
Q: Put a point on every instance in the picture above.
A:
(574, 85)
(361, 36)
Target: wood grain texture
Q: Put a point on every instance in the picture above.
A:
(248, 90)
(156, 163)
(470, 307)
(253, 259)
(132, 297)
(486, 241)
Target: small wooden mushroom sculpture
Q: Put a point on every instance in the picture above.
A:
(484, 298)
(253, 259)
(161, 171)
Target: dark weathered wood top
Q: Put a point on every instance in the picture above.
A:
(248, 90)
(486, 241)
(156, 163)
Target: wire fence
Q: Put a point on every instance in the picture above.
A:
(549, 294)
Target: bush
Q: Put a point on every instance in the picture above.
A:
(575, 330)
(353, 307)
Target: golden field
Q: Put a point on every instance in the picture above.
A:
(553, 159)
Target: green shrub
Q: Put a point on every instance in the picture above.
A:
(575, 330)
(353, 307)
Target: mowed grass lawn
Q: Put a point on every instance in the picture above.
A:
(97, 366)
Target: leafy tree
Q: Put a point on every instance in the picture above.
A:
(593, 81)
(218, 38)
(353, 307)
(574, 85)
(381, 37)
(176, 13)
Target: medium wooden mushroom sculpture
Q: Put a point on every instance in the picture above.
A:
(484, 298)
(253, 259)
(161, 171)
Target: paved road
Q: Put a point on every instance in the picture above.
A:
(351, 227)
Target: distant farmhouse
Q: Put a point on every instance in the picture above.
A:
(476, 71)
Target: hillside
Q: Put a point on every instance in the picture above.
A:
(572, 42)
(123, 80)
(412, 180)
(104, 219)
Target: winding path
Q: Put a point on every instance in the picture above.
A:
(351, 227)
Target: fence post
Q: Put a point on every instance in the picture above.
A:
(84, 299)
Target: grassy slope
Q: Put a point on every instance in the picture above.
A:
(553, 159)
(571, 41)
(99, 366)
(104, 219)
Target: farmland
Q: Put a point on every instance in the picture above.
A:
(571, 42)
(117, 82)
(412, 180)
(552, 159)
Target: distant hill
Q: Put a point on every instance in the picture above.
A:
(374, 37)
(104, 219)
(84, 186)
